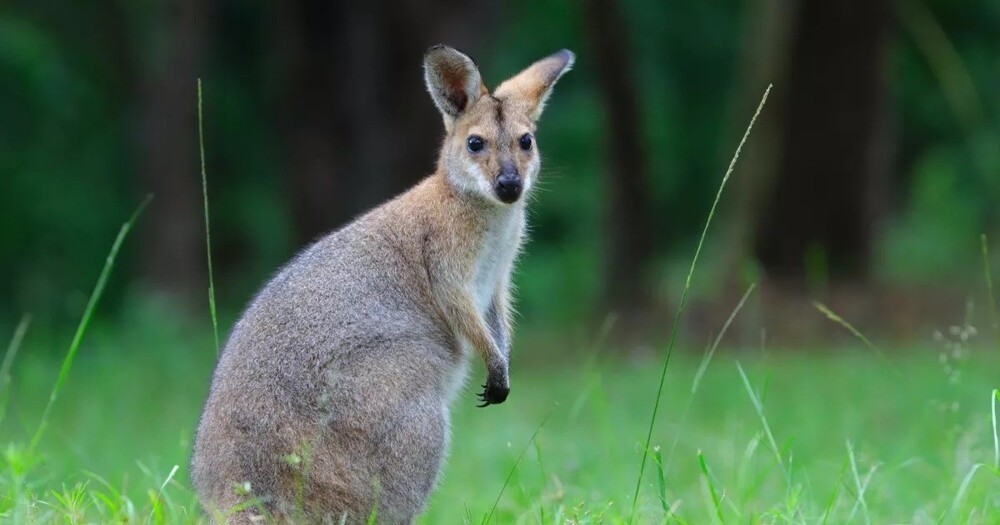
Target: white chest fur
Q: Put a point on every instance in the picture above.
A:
(495, 258)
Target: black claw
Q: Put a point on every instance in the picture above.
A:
(482, 399)
(493, 395)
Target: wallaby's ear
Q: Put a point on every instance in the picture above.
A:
(534, 85)
(453, 81)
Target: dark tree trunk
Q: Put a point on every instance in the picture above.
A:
(629, 243)
(357, 123)
(310, 39)
(821, 207)
(173, 254)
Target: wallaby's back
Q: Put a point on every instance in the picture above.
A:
(337, 357)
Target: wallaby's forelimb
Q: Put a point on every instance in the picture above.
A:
(469, 325)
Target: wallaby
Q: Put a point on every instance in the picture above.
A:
(331, 397)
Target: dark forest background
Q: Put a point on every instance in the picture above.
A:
(867, 183)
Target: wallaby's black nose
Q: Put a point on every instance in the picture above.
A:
(508, 187)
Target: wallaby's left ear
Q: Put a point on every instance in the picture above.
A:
(533, 86)
(453, 81)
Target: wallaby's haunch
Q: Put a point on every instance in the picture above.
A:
(331, 397)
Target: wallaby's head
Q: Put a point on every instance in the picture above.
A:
(489, 148)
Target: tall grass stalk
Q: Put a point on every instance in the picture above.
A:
(8, 362)
(683, 301)
(88, 312)
(208, 229)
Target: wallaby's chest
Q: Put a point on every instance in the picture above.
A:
(495, 257)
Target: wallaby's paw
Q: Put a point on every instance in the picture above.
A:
(493, 394)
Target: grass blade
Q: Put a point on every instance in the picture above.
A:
(591, 377)
(716, 502)
(208, 229)
(759, 408)
(831, 315)
(8, 362)
(962, 489)
(703, 367)
(858, 485)
(994, 320)
(157, 497)
(661, 480)
(513, 469)
(834, 495)
(683, 300)
(88, 312)
(996, 437)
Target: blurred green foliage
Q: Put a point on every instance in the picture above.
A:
(68, 138)
(948, 102)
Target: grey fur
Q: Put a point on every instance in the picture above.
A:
(305, 372)
(498, 329)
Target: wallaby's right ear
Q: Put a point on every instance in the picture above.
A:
(453, 81)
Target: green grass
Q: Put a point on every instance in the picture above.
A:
(846, 435)
(792, 442)
(800, 438)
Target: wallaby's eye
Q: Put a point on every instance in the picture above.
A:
(476, 143)
(525, 142)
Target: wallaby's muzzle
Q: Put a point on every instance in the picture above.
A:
(508, 186)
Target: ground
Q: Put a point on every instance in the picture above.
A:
(841, 435)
